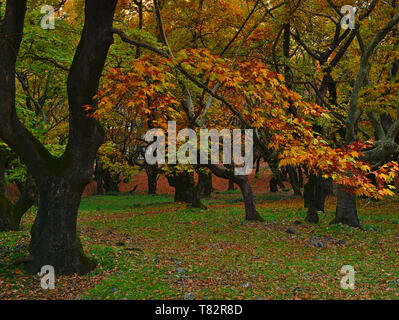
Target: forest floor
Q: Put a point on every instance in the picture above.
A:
(147, 247)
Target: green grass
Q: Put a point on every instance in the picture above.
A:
(147, 248)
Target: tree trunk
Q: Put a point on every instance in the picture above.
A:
(26, 200)
(315, 193)
(300, 177)
(273, 183)
(54, 239)
(250, 207)
(205, 183)
(152, 175)
(98, 173)
(6, 223)
(60, 180)
(258, 165)
(312, 215)
(231, 185)
(294, 181)
(111, 182)
(346, 208)
(185, 189)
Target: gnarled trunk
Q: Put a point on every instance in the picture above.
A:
(54, 239)
(346, 208)
(152, 176)
(185, 189)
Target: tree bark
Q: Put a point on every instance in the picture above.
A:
(315, 192)
(53, 237)
(346, 208)
(204, 186)
(152, 176)
(231, 185)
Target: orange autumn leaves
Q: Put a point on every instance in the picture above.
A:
(153, 89)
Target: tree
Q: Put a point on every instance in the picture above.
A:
(60, 181)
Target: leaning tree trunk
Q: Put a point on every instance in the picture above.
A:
(249, 201)
(346, 208)
(11, 214)
(54, 238)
